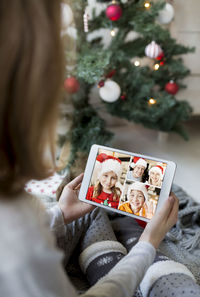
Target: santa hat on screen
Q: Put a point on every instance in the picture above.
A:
(139, 161)
(138, 187)
(158, 169)
(108, 163)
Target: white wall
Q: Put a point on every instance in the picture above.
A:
(186, 29)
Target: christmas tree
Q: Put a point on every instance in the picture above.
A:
(138, 73)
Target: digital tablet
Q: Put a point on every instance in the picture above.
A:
(125, 182)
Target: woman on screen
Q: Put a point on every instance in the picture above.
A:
(156, 176)
(105, 190)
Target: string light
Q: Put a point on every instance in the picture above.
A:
(137, 63)
(152, 101)
(147, 4)
(156, 66)
(112, 32)
(85, 21)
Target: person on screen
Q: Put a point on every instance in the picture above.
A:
(137, 196)
(156, 176)
(105, 190)
(139, 165)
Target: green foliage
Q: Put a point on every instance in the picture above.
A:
(88, 128)
(94, 59)
(139, 83)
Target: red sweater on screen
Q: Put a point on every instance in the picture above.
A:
(103, 198)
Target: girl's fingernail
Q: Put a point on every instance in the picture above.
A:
(171, 198)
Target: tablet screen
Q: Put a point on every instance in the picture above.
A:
(129, 183)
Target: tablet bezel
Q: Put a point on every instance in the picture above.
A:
(165, 189)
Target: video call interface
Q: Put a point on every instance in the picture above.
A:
(129, 183)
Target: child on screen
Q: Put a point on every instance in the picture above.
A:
(105, 190)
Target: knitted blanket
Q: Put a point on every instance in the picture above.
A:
(182, 243)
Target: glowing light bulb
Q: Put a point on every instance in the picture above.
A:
(152, 101)
(137, 63)
(147, 4)
(156, 66)
(112, 32)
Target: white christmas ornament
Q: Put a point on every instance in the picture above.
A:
(166, 14)
(153, 50)
(67, 15)
(110, 92)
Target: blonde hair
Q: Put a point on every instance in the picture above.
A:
(158, 184)
(31, 64)
(98, 189)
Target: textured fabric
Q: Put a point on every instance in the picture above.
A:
(128, 232)
(124, 278)
(46, 187)
(175, 285)
(182, 243)
(92, 228)
(158, 269)
(31, 265)
(101, 265)
(99, 249)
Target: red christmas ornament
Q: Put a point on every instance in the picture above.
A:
(71, 85)
(111, 73)
(123, 96)
(160, 57)
(113, 12)
(101, 83)
(171, 87)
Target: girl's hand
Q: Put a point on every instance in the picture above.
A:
(71, 207)
(162, 222)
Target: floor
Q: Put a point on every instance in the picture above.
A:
(186, 154)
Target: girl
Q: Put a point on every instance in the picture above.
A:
(156, 176)
(105, 190)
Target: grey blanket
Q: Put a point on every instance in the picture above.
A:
(182, 243)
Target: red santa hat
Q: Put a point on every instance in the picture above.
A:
(109, 163)
(139, 161)
(158, 169)
(137, 186)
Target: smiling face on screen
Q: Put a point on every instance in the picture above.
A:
(138, 171)
(108, 181)
(155, 178)
(136, 200)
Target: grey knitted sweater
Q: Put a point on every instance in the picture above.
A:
(31, 264)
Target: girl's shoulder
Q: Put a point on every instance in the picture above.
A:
(31, 230)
